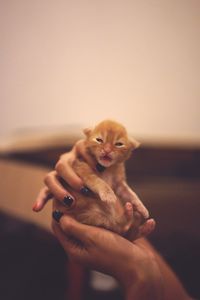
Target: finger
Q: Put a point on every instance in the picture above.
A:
(141, 231)
(58, 191)
(146, 228)
(65, 171)
(74, 248)
(73, 228)
(81, 150)
(43, 197)
(72, 238)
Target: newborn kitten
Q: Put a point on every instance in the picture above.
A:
(109, 144)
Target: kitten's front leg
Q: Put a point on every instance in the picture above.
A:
(94, 183)
(124, 192)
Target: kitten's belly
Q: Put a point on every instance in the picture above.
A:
(92, 211)
(107, 177)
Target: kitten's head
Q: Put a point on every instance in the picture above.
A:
(109, 143)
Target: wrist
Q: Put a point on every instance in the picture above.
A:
(147, 285)
(143, 279)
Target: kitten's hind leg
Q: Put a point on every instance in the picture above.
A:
(134, 229)
(133, 221)
(124, 192)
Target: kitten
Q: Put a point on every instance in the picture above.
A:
(109, 144)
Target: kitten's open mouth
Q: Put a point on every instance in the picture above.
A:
(106, 158)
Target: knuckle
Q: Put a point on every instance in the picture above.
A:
(47, 178)
(59, 166)
(79, 143)
(80, 146)
(67, 226)
(63, 156)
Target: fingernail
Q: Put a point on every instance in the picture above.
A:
(100, 168)
(68, 200)
(57, 215)
(85, 191)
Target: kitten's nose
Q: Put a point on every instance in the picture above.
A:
(107, 148)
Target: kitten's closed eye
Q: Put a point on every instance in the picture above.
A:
(119, 144)
(99, 140)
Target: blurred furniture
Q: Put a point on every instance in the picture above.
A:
(167, 179)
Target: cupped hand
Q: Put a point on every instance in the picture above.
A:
(132, 264)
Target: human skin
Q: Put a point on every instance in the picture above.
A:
(137, 266)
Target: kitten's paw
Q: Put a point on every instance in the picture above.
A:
(108, 196)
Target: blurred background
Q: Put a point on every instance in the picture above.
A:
(78, 62)
(68, 64)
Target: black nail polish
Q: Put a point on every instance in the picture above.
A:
(68, 200)
(85, 191)
(100, 168)
(57, 215)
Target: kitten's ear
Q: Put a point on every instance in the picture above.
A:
(87, 131)
(134, 143)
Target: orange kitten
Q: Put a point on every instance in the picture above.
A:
(109, 144)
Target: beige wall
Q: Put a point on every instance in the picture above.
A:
(65, 62)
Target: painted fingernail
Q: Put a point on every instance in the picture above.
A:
(57, 215)
(100, 168)
(85, 191)
(68, 200)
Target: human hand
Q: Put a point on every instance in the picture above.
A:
(132, 264)
(55, 186)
